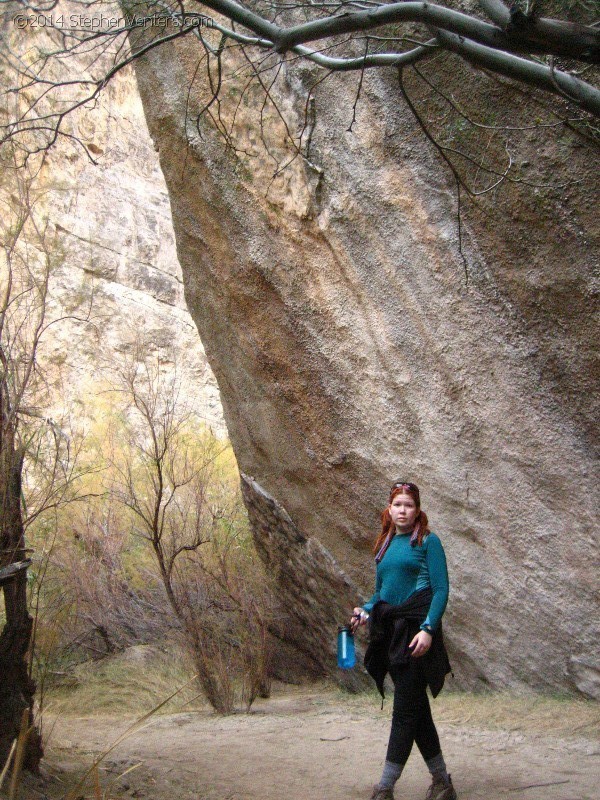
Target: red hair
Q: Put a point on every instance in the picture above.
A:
(421, 528)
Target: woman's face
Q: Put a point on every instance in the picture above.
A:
(403, 511)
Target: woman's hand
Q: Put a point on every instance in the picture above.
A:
(420, 644)
(359, 617)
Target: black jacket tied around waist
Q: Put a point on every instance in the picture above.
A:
(392, 627)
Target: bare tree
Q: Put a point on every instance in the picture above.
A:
(31, 444)
(557, 55)
(165, 475)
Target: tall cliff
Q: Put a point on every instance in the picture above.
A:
(353, 343)
(116, 281)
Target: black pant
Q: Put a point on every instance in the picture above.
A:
(411, 717)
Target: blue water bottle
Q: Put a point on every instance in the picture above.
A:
(346, 655)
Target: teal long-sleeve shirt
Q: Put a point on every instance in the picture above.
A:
(404, 570)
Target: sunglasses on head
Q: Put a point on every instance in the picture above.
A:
(399, 485)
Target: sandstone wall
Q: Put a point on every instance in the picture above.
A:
(115, 279)
(352, 345)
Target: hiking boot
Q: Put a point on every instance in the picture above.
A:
(441, 789)
(382, 793)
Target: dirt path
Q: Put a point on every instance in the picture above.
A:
(312, 745)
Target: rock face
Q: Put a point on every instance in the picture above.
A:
(354, 344)
(117, 264)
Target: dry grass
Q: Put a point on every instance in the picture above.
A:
(556, 715)
(139, 678)
(127, 683)
(553, 714)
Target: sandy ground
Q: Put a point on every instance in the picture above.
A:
(304, 744)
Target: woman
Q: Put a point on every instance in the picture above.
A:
(411, 592)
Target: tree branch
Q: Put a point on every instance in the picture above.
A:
(497, 12)
(553, 37)
(521, 69)
(368, 61)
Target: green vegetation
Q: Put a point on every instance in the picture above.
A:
(157, 552)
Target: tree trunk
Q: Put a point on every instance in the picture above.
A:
(17, 689)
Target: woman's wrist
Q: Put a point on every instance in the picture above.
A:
(359, 617)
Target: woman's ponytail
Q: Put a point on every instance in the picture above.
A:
(385, 537)
(421, 529)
